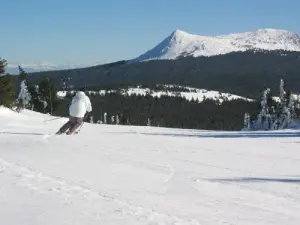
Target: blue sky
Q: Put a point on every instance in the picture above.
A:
(89, 31)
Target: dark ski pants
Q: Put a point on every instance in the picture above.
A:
(72, 125)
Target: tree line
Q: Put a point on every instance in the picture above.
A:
(41, 97)
(165, 111)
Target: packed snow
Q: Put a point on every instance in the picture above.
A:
(109, 174)
(180, 43)
(192, 93)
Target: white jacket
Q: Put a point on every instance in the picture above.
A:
(80, 105)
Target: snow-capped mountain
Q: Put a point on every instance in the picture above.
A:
(180, 43)
(38, 67)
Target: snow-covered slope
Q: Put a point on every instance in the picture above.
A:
(180, 43)
(191, 94)
(144, 175)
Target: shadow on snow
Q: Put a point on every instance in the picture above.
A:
(257, 179)
(22, 133)
(231, 135)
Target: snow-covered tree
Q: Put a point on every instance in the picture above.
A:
(112, 119)
(247, 123)
(117, 119)
(149, 122)
(263, 118)
(105, 118)
(292, 106)
(24, 97)
(45, 104)
(276, 117)
(282, 92)
(285, 113)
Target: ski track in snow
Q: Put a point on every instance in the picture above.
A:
(145, 175)
(43, 184)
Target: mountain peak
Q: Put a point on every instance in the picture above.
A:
(179, 33)
(180, 43)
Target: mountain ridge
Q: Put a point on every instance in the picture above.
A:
(180, 44)
(241, 73)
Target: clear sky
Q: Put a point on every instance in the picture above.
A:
(89, 31)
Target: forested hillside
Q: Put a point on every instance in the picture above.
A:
(242, 73)
(167, 111)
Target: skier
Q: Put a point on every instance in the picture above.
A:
(79, 109)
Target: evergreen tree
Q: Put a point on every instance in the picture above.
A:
(3, 64)
(282, 93)
(48, 95)
(247, 123)
(105, 118)
(263, 117)
(117, 119)
(35, 102)
(283, 113)
(7, 88)
(291, 106)
(24, 97)
(278, 116)
(22, 73)
(149, 122)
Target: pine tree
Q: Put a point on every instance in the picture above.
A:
(7, 88)
(112, 119)
(282, 92)
(291, 106)
(3, 64)
(264, 116)
(24, 97)
(105, 118)
(91, 119)
(284, 117)
(35, 102)
(22, 73)
(149, 122)
(247, 123)
(48, 95)
(117, 119)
